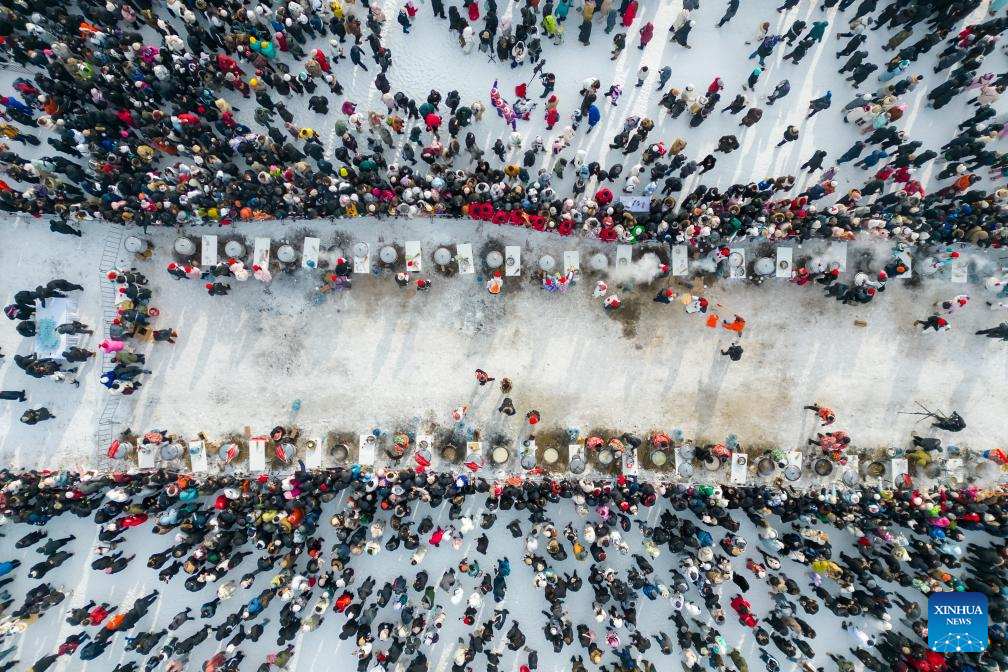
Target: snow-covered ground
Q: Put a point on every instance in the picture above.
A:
(390, 358)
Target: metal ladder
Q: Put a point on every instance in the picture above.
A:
(109, 258)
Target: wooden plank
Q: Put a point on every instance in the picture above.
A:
(414, 256)
(737, 271)
(907, 260)
(261, 252)
(198, 456)
(630, 466)
(572, 261)
(366, 449)
(474, 452)
(313, 458)
(145, 457)
(739, 467)
(257, 454)
(527, 450)
(785, 262)
(512, 260)
(853, 466)
(426, 442)
(465, 258)
(624, 255)
(309, 257)
(208, 251)
(898, 467)
(363, 264)
(680, 260)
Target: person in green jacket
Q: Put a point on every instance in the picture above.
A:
(817, 31)
(549, 24)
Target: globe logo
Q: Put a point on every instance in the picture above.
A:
(957, 622)
(958, 642)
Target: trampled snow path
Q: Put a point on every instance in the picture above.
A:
(390, 358)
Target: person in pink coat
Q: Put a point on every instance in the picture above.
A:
(111, 345)
(630, 14)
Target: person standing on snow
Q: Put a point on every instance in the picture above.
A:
(646, 33)
(733, 6)
(641, 76)
(953, 305)
(790, 135)
(681, 34)
(33, 416)
(663, 76)
(817, 105)
(75, 327)
(217, 288)
(1000, 331)
(823, 413)
(734, 352)
(737, 325)
(933, 322)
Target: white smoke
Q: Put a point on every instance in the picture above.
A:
(642, 271)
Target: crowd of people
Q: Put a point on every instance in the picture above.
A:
(132, 321)
(59, 369)
(134, 113)
(139, 106)
(275, 557)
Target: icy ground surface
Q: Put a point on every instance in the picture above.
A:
(323, 650)
(383, 357)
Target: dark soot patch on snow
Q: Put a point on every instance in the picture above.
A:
(628, 314)
(342, 240)
(556, 438)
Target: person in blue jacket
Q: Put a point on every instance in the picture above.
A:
(8, 566)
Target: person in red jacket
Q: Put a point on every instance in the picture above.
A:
(69, 646)
(646, 33)
(98, 614)
(552, 117)
(823, 413)
(630, 13)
